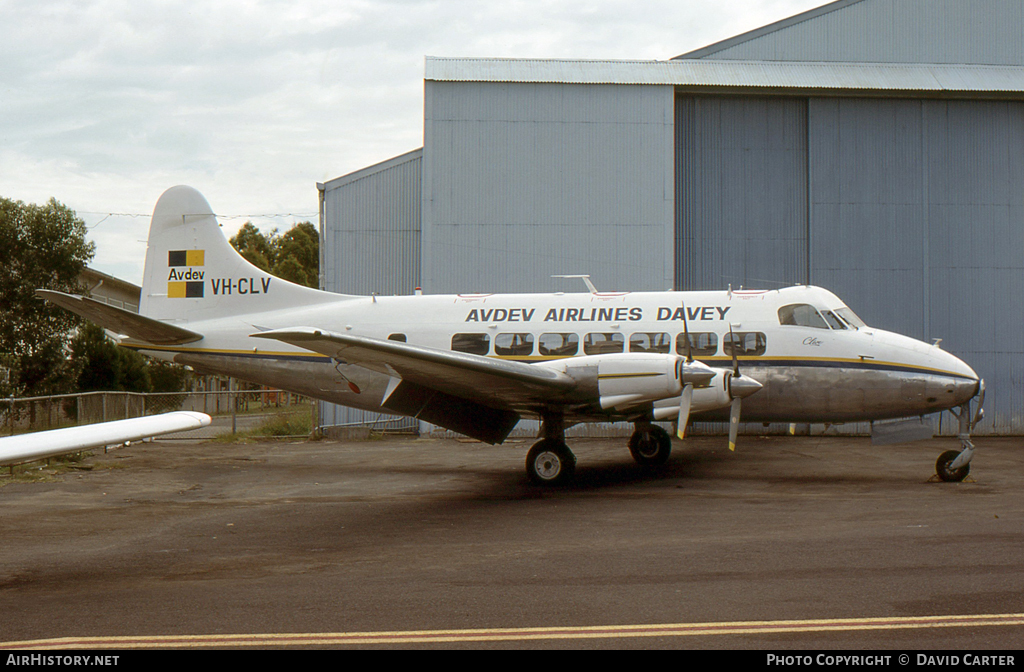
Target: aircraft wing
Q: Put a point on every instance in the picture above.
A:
(29, 447)
(471, 394)
(121, 321)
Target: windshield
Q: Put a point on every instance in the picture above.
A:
(850, 318)
(801, 315)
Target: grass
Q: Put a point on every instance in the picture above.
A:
(282, 425)
(42, 471)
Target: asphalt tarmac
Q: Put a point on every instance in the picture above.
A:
(787, 544)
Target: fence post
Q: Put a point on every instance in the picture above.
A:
(233, 398)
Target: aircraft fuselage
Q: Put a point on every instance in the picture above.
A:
(824, 368)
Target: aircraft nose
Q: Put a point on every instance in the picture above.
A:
(967, 384)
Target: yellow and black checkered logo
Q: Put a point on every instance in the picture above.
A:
(185, 281)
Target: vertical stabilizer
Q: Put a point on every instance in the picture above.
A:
(193, 273)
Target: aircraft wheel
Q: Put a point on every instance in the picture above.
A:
(550, 462)
(947, 474)
(650, 447)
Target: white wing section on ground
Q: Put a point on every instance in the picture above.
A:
(28, 447)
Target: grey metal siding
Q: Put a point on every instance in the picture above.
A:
(989, 32)
(741, 203)
(372, 228)
(911, 211)
(525, 181)
(866, 208)
(918, 224)
(371, 244)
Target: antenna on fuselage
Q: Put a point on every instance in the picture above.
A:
(585, 278)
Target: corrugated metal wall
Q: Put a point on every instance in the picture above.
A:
(525, 181)
(371, 228)
(918, 223)
(985, 32)
(741, 182)
(371, 244)
(912, 211)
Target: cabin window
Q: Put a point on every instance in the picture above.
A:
(603, 343)
(514, 345)
(702, 344)
(801, 315)
(745, 343)
(474, 344)
(650, 342)
(558, 345)
(397, 337)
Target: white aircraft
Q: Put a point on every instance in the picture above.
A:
(477, 363)
(30, 447)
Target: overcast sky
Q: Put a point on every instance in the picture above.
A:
(104, 104)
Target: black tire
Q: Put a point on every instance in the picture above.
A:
(947, 474)
(652, 447)
(550, 462)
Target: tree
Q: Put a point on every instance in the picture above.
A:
(101, 365)
(294, 256)
(44, 247)
(257, 249)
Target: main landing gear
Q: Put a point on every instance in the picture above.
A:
(550, 462)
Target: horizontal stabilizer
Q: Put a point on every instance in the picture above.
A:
(29, 447)
(121, 321)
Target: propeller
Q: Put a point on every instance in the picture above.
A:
(734, 408)
(686, 398)
(740, 386)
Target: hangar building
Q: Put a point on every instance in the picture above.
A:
(873, 147)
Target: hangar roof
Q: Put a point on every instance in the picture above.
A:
(980, 32)
(773, 76)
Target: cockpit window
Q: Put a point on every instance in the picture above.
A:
(801, 315)
(833, 320)
(850, 318)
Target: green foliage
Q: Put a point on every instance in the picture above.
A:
(294, 256)
(101, 365)
(44, 246)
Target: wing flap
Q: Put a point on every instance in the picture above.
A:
(465, 416)
(121, 321)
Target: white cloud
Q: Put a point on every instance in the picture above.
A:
(105, 104)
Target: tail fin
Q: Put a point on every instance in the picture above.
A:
(193, 273)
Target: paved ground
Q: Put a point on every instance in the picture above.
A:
(397, 535)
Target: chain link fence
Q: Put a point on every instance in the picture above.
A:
(267, 412)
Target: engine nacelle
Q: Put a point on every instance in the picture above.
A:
(622, 380)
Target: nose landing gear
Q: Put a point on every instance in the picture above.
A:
(953, 466)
